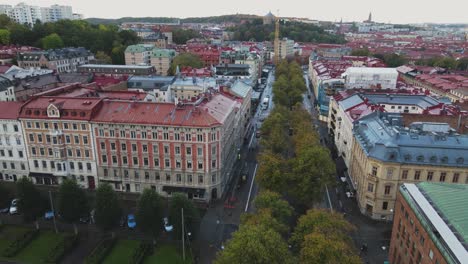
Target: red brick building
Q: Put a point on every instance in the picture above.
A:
(430, 224)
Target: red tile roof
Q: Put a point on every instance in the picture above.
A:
(71, 108)
(10, 110)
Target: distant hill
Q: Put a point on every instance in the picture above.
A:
(212, 19)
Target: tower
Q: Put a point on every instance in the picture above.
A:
(277, 42)
(370, 17)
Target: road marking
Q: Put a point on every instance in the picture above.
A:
(329, 200)
(252, 137)
(251, 185)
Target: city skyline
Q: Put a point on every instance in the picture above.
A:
(453, 11)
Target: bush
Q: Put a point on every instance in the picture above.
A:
(61, 249)
(20, 243)
(140, 252)
(101, 251)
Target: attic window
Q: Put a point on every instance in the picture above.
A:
(420, 158)
(37, 112)
(65, 113)
(392, 156)
(28, 112)
(460, 160)
(82, 114)
(73, 113)
(407, 157)
(444, 159)
(44, 112)
(433, 159)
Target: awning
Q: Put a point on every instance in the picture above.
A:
(181, 189)
(41, 175)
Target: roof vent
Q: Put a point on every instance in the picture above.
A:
(51, 100)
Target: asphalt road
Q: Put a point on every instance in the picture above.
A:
(223, 217)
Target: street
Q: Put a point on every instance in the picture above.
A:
(373, 233)
(223, 217)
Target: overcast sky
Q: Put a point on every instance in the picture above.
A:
(394, 11)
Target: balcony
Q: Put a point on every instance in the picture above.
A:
(371, 177)
(56, 132)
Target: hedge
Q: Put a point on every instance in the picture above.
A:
(20, 243)
(101, 251)
(61, 249)
(140, 252)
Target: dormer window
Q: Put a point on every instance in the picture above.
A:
(52, 111)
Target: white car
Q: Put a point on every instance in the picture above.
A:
(167, 226)
(14, 206)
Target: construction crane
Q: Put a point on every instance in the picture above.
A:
(277, 41)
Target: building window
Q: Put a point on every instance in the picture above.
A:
(178, 164)
(166, 150)
(124, 160)
(188, 150)
(456, 176)
(189, 178)
(157, 176)
(167, 163)
(200, 179)
(106, 173)
(189, 164)
(104, 158)
(88, 166)
(177, 150)
(213, 178)
(122, 133)
(154, 135)
(134, 147)
(199, 152)
(137, 175)
(165, 136)
(156, 162)
(404, 175)
(188, 137)
(145, 161)
(36, 164)
(417, 175)
(387, 189)
(31, 138)
(374, 171)
(137, 187)
(200, 165)
(443, 175)
(145, 148)
(168, 177)
(389, 173)
(124, 147)
(68, 140)
(370, 187)
(177, 136)
(85, 140)
(199, 138)
(112, 146)
(132, 134)
(179, 178)
(213, 164)
(384, 205)
(39, 138)
(430, 174)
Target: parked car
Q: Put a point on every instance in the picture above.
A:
(5, 210)
(131, 223)
(14, 206)
(49, 215)
(167, 226)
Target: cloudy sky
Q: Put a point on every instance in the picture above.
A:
(394, 11)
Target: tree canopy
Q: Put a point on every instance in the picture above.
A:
(280, 209)
(191, 216)
(31, 204)
(150, 212)
(183, 60)
(72, 201)
(72, 33)
(108, 210)
(181, 36)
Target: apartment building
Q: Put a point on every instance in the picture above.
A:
(161, 60)
(59, 139)
(7, 89)
(285, 48)
(370, 78)
(59, 60)
(184, 88)
(430, 224)
(188, 148)
(386, 155)
(139, 54)
(28, 14)
(13, 154)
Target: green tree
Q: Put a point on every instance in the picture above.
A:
(107, 207)
(255, 244)
(280, 209)
(72, 201)
(5, 196)
(118, 55)
(31, 204)
(183, 60)
(181, 36)
(317, 248)
(150, 212)
(462, 64)
(394, 60)
(272, 172)
(4, 37)
(446, 63)
(103, 57)
(52, 41)
(191, 215)
(264, 217)
(331, 225)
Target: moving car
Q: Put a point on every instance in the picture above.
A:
(14, 206)
(131, 221)
(49, 215)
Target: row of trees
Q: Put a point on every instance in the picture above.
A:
(395, 60)
(297, 31)
(293, 166)
(73, 204)
(103, 39)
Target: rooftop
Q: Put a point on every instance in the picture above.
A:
(10, 110)
(382, 137)
(115, 66)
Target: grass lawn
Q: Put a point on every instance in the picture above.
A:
(168, 254)
(9, 234)
(39, 248)
(122, 252)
